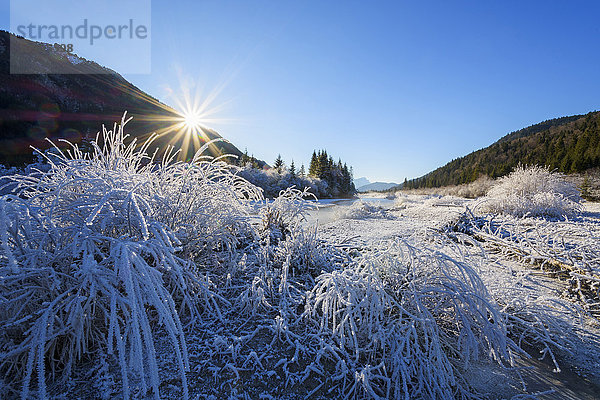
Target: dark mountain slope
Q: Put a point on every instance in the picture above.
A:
(568, 144)
(74, 106)
(542, 126)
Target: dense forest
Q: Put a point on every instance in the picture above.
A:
(568, 144)
(337, 175)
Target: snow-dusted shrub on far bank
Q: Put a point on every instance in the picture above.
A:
(96, 252)
(360, 210)
(273, 181)
(533, 191)
(472, 190)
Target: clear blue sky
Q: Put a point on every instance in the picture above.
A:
(394, 88)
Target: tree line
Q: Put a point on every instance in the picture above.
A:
(325, 177)
(337, 174)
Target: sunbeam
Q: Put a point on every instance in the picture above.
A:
(196, 112)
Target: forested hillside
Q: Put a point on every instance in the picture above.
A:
(568, 144)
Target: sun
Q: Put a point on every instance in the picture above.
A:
(192, 121)
(187, 125)
(191, 118)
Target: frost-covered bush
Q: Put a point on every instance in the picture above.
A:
(398, 322)
(403, 201)
(406, 323)
(282, 216)
(475, 189)
(534, 191)
(360, 210)
(204, 201)
(95, 254)
(273, 181)
(71, 292)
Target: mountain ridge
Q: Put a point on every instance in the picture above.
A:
(362, 181)
(567, 144)
(74, 107)
(376, 186)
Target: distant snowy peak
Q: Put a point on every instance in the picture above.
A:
(364, 185)
(358, 182)
(378, 186)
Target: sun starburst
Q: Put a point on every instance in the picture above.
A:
(187, 125)
(192, 121)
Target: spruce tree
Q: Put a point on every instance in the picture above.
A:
(278, 164)
(313, 168)
(323, 165)
(244, 159)
(337, 175)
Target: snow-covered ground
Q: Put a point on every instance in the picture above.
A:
(541, 296)
(123, 279)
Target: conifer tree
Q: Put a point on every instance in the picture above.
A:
(337, 175)
(278, 164)
(313, 167)
(244, 159)
(322, 165)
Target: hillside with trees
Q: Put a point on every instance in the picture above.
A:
(568, 144)
(74, 106)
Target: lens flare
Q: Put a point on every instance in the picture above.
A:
(192, 121)
(197, 110)
(185, 125)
